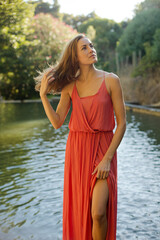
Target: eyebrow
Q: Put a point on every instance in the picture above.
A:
(86, 44)
(83, 45)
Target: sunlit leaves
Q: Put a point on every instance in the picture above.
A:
(27, 44)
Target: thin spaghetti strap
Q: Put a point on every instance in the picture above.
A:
(73, 90)
(106, 86)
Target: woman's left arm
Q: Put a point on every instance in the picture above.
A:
(103, 167)
(119, 109)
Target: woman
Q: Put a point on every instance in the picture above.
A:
(90, 171)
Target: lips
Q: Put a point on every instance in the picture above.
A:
(93, 55)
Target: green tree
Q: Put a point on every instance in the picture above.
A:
(156, 47)
(15, 18)
(56, 9)
(151, 59)
(41, 43)
(146, 5)
(140, 30)
(91, 32)
(41, 6)
(45, 7)
(52, 35)
(76, 21)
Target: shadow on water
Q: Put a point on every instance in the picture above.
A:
(32, 167)
(145, 123)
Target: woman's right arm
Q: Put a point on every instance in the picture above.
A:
(55, 117)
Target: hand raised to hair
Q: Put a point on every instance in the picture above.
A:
(46, 82)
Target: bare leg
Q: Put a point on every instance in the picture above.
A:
(99, 205)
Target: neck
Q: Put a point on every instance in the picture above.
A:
(86, 72)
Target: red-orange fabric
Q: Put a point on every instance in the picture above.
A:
(90, 134)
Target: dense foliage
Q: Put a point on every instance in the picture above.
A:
(142, 36)
(147, 4)
(14, 65)
(46, 7)
(139, 31)
(151, 59)
(27, 44)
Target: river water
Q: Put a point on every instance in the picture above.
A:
(32, 167)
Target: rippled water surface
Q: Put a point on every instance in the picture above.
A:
(32, 168)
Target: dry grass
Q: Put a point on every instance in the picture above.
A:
(139, 90)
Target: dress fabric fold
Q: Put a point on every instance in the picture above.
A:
(91, 128)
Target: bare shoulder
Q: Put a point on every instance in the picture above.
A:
(112, 81)
(112, 76)
(67, 90)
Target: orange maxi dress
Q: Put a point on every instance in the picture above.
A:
(90, 134)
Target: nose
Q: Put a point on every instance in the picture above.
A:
(91, 49)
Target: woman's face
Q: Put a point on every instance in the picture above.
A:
(86, 53)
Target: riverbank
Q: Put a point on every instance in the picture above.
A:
(55, 98)
(144, 90)
(153, 109)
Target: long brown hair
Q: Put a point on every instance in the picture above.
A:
(66, 71)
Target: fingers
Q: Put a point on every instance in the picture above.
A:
(49, 79)
(48, 72)
(94, 171)
(106, 175)
(102, 175)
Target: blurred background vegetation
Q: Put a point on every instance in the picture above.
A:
(34, 33)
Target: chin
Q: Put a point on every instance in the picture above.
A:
(95, 60)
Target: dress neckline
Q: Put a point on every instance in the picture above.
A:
(90, 95)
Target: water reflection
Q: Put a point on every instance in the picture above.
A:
(32, 168)
(145, 123)
(139, 167)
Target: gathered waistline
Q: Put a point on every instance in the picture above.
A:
(94, 132)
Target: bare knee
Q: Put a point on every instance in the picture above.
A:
(99, 217)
